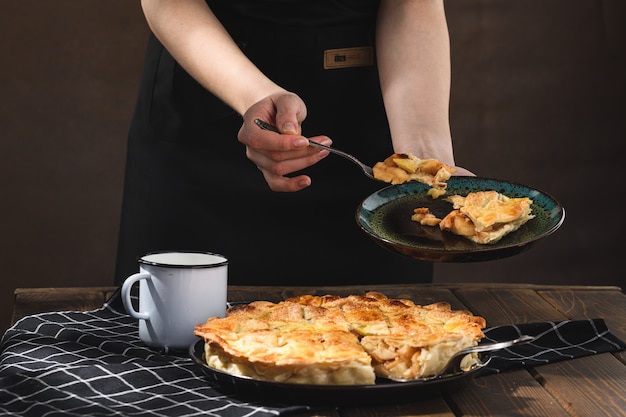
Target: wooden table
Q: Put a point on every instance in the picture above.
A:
(591, 386)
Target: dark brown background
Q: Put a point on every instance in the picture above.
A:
(538, 97)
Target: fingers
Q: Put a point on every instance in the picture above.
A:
(277, 165)
(279, 155)
(286, 162)
(263, 140)
(290, 112)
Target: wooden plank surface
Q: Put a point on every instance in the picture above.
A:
(329, 412)
(507, 394)
(576, 304)
(501, 306)
(589, 386)
(435, 407)
(419, 294)
(513, 393)
(39, 300)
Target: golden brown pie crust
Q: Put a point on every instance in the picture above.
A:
(403, 167)
(486, 216)
(337, 340)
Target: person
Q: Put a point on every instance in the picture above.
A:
(369, 77)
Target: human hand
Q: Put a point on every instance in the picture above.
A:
(278, 155)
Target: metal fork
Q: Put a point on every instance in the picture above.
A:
(367, 170)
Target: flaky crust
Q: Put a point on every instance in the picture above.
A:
(423, 216)
(337, 340)
(486, 216)
(403, 167)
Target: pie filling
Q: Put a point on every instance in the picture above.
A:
(401, 359)
(404, 167)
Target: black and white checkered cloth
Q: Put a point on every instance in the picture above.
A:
(93, 363)
(554, 341)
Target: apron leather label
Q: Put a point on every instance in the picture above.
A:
(348, 57)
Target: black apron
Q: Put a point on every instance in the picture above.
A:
(189, 185)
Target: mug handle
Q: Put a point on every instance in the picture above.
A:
(128, 305)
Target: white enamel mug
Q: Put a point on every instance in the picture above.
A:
(177, 291)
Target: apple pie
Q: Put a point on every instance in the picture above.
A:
(484, 217)
(336, 340)
(403, 167)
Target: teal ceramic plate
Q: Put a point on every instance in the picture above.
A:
(386, 217)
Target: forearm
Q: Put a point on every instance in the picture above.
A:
(200, 44)
(413, 54)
